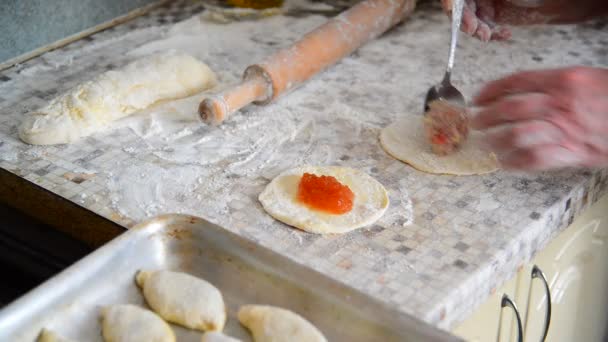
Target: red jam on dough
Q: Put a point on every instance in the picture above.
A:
(325, 193)
(446, 126)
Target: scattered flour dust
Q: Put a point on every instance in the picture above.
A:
(199, 168)
(144, 190)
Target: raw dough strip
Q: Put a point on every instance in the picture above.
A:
(91, 106)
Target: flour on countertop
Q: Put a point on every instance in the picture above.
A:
(465, 236)
(147, 190)
(258, 141)
(303, 127)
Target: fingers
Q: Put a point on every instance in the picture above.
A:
(469, 21)
(446, 5)
(501, 33)
(522, 132)
(523, 82)
(483, 32)
(513, 108)
(541, 120)
(477, 21)
(486, 11)
(540, 158)
(523, 135)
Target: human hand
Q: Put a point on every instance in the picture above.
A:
(483, 18)
(541, 120)
(478, 20)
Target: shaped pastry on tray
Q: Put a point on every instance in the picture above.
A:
(183, 299)
(130, 323)
(47, 335)
(214, 336)
(273, 324)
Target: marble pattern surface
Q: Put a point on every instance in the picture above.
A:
(466, 236)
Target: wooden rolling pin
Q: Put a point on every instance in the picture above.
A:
(317, 50)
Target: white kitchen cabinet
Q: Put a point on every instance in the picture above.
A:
(575, 265)
(483, 324)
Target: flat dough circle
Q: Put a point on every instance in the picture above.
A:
(279, 200)
(406, 141)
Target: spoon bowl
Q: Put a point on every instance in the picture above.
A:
(445, 90)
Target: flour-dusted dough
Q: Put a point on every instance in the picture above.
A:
(279, 200)
(214, 336)
(406, 141)
(130, 323)
(47, 335)
(272, 324)
(183, 299)
(90, 106)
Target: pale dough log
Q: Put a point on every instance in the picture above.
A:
(47, 335)
(90, 106)
(279, 200)
(214, 336)
(406, 140)
(130, 323)
(273, 324)
(183, 299)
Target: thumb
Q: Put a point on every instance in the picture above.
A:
(446, 5)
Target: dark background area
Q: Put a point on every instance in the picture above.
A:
(31, 252)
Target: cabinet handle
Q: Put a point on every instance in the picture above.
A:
(506, 301)
(537, 273)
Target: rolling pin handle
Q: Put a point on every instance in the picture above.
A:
(255, 87)
(213, 110)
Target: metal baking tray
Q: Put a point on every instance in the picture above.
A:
(70, 302)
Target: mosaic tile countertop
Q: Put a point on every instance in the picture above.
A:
(445, 241)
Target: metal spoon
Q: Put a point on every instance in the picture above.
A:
(445, 90)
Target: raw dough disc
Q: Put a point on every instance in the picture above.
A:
(130, 323)
(91, 106)
(279, 200)
(273, 324)
(406, 141)
(183, 299)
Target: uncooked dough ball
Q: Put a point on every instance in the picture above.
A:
(91, 106)
(406, 140)
(130, 323)
(183, 299)
(47, 335)
(272, 324)
(370, 202)
(214, 336)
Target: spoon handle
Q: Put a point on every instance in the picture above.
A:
(457, 6)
